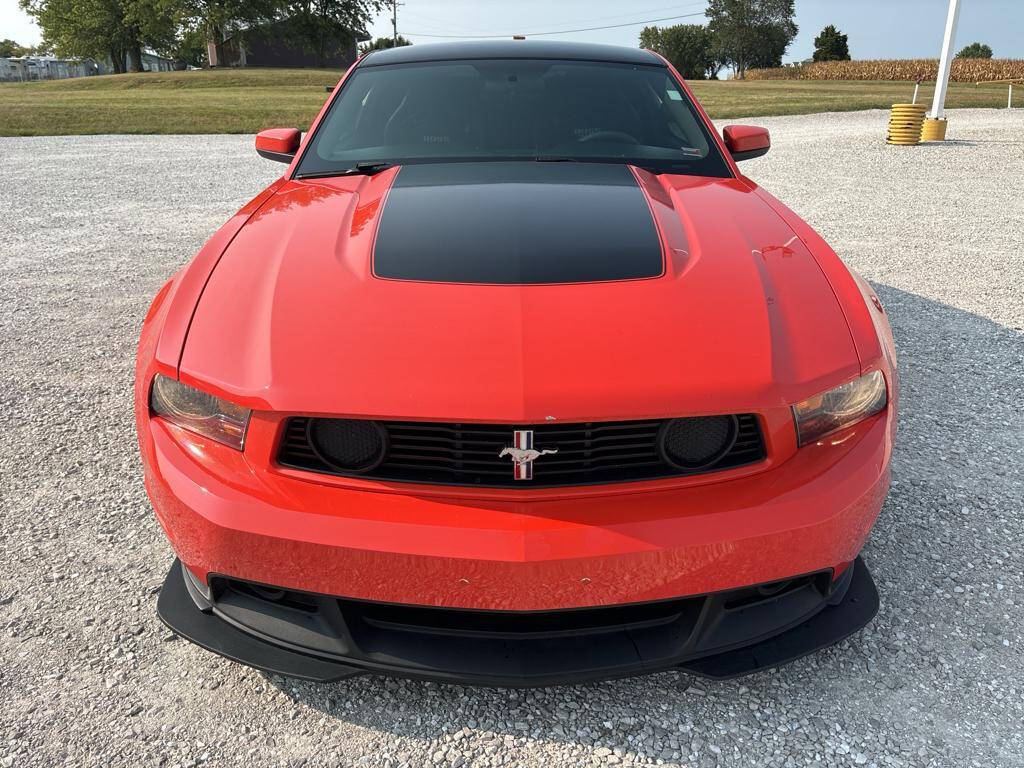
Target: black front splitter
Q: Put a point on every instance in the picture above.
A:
(178, 611)
(832, 624)
(851, 609)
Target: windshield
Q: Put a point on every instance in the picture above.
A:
(513, 109)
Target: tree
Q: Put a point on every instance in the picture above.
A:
(98, 29)
(687, 46)
(751, 33)
(830, 45)
(382, 43)
(9, 48)
(975, 51)
(156, 24)
(189, 47)
(77, 29)
(323, 25)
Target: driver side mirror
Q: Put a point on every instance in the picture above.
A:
(278, 144)
(746, 141)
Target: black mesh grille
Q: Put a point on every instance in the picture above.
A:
(351, 445)
(695, 443)
(467, 454)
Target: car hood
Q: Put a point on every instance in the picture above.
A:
(734, 313)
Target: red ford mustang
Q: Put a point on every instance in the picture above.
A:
(514, 379)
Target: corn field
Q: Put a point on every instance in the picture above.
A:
(963, 70)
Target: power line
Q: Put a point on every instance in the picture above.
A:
(435, 21)
(673, 7)
(460, 26)
(560, 31)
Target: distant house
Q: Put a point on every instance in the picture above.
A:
(274, 45)
(151, 62)
(26, 68)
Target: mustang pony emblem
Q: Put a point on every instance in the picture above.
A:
(523, 453)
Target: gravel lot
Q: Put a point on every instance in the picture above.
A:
(88, 676)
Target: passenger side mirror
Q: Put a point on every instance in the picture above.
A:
(278, 144)
(746, 141)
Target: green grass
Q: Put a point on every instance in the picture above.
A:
(752, 98)
(217, 101)
(248, 100)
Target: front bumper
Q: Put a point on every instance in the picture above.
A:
(322, 638)
(235, 514)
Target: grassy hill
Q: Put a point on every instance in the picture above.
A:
(247, 100)
(209, 101)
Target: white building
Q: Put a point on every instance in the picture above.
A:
(153, 63)
(26, 68)
(21, 69)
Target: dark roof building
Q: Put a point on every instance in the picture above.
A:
(277, 45)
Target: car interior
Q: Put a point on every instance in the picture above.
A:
(510, 108)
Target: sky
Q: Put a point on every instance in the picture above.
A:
(877, 29)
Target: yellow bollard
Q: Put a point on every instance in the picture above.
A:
(933, 129)
(905, 124)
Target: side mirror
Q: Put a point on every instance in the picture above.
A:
(278, 144)
(746, 141)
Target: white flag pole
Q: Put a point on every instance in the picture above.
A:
(945, 61)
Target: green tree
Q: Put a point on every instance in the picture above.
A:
(324, 25)
(687, 46)
(831, 45)
(975, 51)
(751, 33)
(189, 46)
(117, 29)
(9, 48)
(382, 43)
(156, 24)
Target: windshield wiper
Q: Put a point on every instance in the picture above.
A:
(364, 168)
(370, 167)
(653, 166)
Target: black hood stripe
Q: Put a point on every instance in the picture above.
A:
(516, 223)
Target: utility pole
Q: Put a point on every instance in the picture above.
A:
(945, 61)
(394, 22)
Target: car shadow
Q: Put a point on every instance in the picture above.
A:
(960, 425)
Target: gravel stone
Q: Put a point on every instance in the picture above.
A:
(92, 226)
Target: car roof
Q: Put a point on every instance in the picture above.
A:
(509, 49)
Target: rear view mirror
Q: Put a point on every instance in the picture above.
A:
(746, 141)
(278, 144)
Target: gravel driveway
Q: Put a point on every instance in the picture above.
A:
(90, 228)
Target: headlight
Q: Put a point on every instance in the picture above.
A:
(840, 407)
(199, 412)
